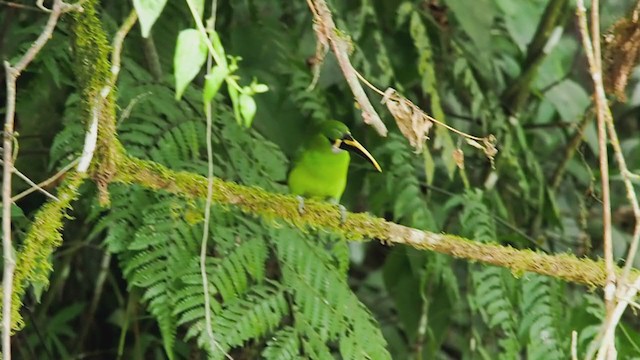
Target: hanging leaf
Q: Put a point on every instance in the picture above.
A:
(148, 12)
(247, 108)
(213, 81)
(190, 55)
(199, 5)
(477, 24)
(233, 94)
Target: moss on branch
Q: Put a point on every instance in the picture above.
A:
(93, 75)
(33, 263)
(358, 226)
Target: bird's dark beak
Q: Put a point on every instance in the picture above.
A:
(349, 143)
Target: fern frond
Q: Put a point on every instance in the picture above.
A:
(492, 286)
(283, 345)
(313, 344)
(311, 102)
(252, 316)
(540, 309)
(66, 144)
(399, 188)
(324, 301)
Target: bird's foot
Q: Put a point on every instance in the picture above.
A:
(300, 204)
(342, 209)
(343, 214)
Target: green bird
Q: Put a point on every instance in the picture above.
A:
(320, 170)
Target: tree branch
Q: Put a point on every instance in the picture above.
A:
(358, 226)
(329, 35)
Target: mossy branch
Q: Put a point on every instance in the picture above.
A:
(33, 263)
(358, 226)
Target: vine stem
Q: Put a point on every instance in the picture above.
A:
(12, 74)
(213, 343)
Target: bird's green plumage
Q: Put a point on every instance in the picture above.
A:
(320, 171)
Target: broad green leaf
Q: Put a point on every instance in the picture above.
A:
(213, 81)
(429, 165)
(148, 12)
(475, 18)
(218, 48)
(570, 99)
(400, 281)
(199, 5)
(247, 108)
(521, 19)
(404, 10)
(190, 55)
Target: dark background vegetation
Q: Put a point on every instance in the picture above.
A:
(123, 273)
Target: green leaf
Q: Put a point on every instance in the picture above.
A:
(429, 165)
(259, 88)
(190, 55)
(148, 12)
(570, 99)
(475, 19)
(521, 19)
(199, 5)
(213, 81)
(247, 108)
(233, 94)
(217, 47)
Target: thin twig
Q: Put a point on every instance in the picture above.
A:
(327, 32)
(213, 344)
(40, 186)
(34, 186)
(631, 196)
(607, 130)
(406, 111)
(623, 281)
(127, 111)
(118, 40)
(15, 5)
(12, 74)
(429, 117)
(607, 349)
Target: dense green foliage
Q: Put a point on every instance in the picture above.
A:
(126, 282)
